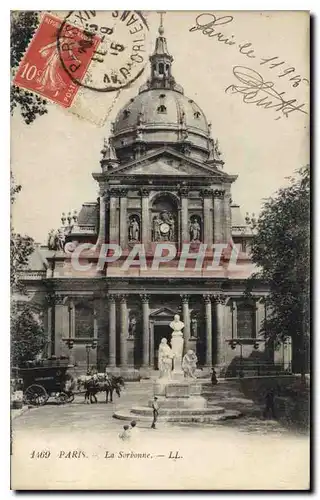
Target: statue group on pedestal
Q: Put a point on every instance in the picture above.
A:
(171, 358)
(56, 240)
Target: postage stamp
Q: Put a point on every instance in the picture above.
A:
(41, 70)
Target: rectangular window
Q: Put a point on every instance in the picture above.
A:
(84, 322)
(246, 321)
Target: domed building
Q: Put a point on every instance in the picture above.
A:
(166, 215)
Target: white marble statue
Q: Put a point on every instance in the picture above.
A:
(189, 364)
(177, 343)
(165, 359)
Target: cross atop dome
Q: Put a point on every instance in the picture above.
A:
(161, 28)
(161, 62)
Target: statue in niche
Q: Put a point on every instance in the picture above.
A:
(172, 227)
(156, 228)
(194, 327)
(194, 229)
(134, 229)
(132, 326)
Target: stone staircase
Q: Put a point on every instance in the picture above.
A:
(227, 393)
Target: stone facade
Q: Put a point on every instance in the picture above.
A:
(161, 182)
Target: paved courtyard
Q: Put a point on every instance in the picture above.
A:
(85, 451)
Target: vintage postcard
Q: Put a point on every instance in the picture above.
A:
(160, 218)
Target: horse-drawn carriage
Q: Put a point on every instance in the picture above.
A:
(39, 383)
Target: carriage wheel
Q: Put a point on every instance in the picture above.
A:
(70, 397)
(36, 395)
(63, 398)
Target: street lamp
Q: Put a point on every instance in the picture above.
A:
(93, 345)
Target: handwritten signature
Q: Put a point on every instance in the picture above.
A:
(255, 90)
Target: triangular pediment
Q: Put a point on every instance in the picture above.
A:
(167, 162)
(163, 312)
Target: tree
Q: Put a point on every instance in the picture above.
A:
(281, 249)
(23, 26)
(21, 247)
(27, 334)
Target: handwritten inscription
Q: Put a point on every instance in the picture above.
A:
(255, 89)
(261, 93)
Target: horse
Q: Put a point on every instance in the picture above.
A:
(100, 383)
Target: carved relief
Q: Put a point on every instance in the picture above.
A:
(164, 227)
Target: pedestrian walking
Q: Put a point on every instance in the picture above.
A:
(214, 380)
(269, 404)
(155, 409)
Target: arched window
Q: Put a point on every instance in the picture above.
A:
(161, 108)
(161, 68)
(197, 114)
(84, 322)
(246, 320)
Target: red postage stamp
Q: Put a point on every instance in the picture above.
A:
(57, 58)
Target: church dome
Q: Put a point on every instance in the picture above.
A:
(161, 115)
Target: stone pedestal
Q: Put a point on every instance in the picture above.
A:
(177, 348)
(178, 402)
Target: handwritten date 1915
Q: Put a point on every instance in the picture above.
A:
(255, 90)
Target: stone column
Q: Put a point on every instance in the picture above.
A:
(227, 217)
(123, 218)
(51, 320)
(186, 320)
(219, 323)
(184, 216)
(208, 315)
(61, 322)
(234, 319)
(112, 330)
(218, 236)
(113, 216)
(145, 239)
(260, 311)
(71, 319)
(145, 331)
(102, 217)
(207, 216)
(123, 331)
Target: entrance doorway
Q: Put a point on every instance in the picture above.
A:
(160, 331)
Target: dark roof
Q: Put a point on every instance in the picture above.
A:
(88, 214)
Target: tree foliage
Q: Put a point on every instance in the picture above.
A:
(21, 247)
(27, 334)
(281, 249)
(23, 26)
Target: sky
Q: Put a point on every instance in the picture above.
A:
(54, 157)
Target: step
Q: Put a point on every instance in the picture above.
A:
(203, 419)
(145, 410)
